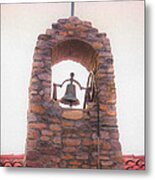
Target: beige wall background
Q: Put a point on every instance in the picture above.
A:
(123, 21)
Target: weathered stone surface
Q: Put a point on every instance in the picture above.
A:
(44, 76)
(69, 26)
(55, 120)
(71, 142)
(55, 159)
(115, 145)
(46, 84)
(67, 157)
(49, 31)
(104, 135)
(46, 132)
(75, 162)
(38, 64)
(31, 144)
(114, 135)
(31, 117)
(57, 140)
(37, 109)
(82, 156)
(106, 146)
(111, 113)
(67, 124)
(97, 45)
(87, 142)
(55, 127)
(106, 163)
(44, 138)
(85, 166)
(104, 157)
(37, 125)
(36, 98)
(33, 155)
(34, 80)
(35, 164)
(118, 159)
(48, 150)
(69, 149)
(103, 107)
(72, 114)
(33, 134)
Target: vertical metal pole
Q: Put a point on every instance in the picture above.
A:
(98, 116)
(72, 8)
(98, 130)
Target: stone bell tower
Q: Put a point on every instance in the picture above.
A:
(68, 137)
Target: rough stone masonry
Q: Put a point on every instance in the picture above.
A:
(67, 138)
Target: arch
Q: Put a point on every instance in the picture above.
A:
(76, 50)
(78, 40)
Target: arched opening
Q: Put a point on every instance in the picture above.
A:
(82, 58)
(62, 70)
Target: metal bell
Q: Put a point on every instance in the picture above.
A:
(70, 96)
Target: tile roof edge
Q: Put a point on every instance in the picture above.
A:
(12, 156)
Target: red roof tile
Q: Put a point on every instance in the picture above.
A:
(131, 162)
(11, 160)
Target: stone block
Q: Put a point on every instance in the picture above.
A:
(75, 162)
(82, 156)
(115, 144)
(106, 146)
(37, 109)
(87, 142)
(57, 139)
(55, 120)
(31, 117)
(55, 127)
(114, 135)
(55, 159)
(106, 163)
(71, 142)
(33, 134)
(104, 135)
(45, 76)
(69, 149)
(67, 157)
(44, 138)
(48, 150)
(97, 45)
(35, 164)
(46, 132)
(38, 64)
(67, 124)
(72, 114)
(36, 98)
(37, 125)
(32, 155)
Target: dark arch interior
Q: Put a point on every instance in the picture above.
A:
(76, 50)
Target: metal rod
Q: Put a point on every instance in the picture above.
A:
(72, 8)
(98, 117)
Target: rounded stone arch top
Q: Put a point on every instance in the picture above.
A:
(72, 39)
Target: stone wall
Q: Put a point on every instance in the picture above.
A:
(67, 138)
